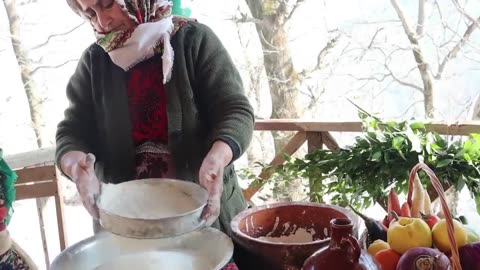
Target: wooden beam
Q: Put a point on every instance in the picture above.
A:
(41, 211)
(314, 141)
(291, 124)
(460, 128)
(292, 146)
(60, 220)
(37, 190)
(36, 174)
(32, 158)
(329, 141)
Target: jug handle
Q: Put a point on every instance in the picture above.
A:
(354, 245)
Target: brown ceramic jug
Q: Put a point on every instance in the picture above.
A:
(343, 253)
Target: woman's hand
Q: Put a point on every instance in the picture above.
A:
(80, 168)
(211, 178)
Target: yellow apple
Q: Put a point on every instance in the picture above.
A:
(376, 246)
(440, 235)
(408, 233)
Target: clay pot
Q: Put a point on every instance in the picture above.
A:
(283, 219)
(343, 252)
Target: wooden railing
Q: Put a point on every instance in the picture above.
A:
(317, 134)
(37, 176)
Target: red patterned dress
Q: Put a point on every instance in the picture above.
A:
(148, 114)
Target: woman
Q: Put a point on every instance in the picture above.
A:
(155, 96)
(12, 256)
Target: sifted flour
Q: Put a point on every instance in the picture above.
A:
(147, 201)
(158, 260)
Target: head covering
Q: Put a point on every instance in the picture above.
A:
(149, 37)
(7, 191)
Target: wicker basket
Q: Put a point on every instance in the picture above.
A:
(455, 257)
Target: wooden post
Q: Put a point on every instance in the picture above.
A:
(314, 142)
(60, 215)
(41, 209)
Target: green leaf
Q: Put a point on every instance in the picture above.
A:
(460, 183)
(477, 201)
(415, 141)
(444, 162)
(377, 156)
(417, 125)
(398, 142)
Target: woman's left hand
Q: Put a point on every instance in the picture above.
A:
(211, 178)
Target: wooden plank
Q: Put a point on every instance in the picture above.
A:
(314, 141)
(330, 141)
(37, 190)
(36, 174)
(41, 211)
(460, 128)
(60, 217)
(292, 146)
(292, 124)
(32, 158)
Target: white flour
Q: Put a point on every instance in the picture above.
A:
(145, 200)
(157, 260)
(301, 235)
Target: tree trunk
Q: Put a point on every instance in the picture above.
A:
(270, 16)
(33, 97)
(427, 79)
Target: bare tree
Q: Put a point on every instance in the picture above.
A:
(271, 18)
(28, 68)
(33, 97)
(426, 70)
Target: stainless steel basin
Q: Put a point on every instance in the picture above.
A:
(205, 249)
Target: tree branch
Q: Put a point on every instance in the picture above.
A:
(406, 25)
(56, 66)
(409, 108)
(421, 18)
(320, 57)
(404, 83)
(295, 7)
(56, 35)
(464, 13)
(455, 50)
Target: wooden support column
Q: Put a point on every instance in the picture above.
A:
(60, 217)
(41, 210)
(314, 142)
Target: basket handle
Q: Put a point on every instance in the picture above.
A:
(448, 216)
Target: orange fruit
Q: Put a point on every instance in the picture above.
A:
(388, 259)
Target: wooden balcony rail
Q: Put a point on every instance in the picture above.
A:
(317, 134)
(37, 179)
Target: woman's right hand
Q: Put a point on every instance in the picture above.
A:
(80, 168)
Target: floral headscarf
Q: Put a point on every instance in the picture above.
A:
(7, 192)
(149, 37)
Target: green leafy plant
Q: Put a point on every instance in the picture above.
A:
(381, 157)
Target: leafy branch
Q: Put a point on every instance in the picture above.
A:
(382, 157)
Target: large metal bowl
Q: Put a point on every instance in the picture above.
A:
(205, 249)
(174, 224)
